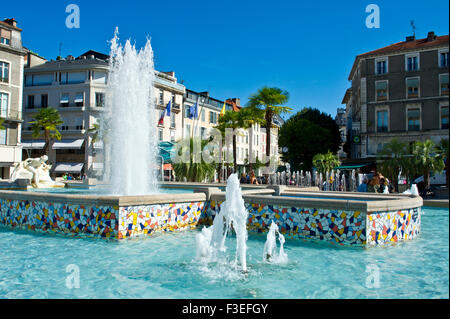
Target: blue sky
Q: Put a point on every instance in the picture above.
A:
(232, 48)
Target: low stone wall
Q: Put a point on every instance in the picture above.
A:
(344, 221)
(351, 219)
(110, 217)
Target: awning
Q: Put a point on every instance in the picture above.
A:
(68, 167)
(79, 98)
(33, 144)
(167, 167)
(349, 166)
(166, 150)
(97, 166)
(64, 99)
(68, 144)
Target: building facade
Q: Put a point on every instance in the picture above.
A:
(399, 91)
(12, 59)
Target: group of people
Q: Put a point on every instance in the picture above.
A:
(249, 178)
(376, 184)
(70, 177)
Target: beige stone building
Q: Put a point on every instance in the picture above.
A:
(12, 59)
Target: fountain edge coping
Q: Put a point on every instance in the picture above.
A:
(394, 203)
(105, 200)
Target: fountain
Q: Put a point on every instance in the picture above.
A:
(130, 120)
(232, 214)
(412, 191)
(270, 254)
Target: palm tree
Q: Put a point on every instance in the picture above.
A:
(241, 119)
(47, 120)
(442, 149)
(325, 162)
(95, 132)
(427, 159)
(194, 172)
(393, 160)
(269, 100)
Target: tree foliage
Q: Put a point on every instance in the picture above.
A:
(325, 162)
(45, 124)
(307, 133)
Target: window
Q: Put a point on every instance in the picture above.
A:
(186, 111)
(444, 117)
(79, 99)
(413, 119)
(4, 72)
(443, 84)
(381, 66)
(203, 115)
(173, 99)
(160, 135)
(4, 101)
(161, 97)
(212, 117)
(99, 99)
(412, 87)
(412, 62)
(172, 136)
(382, 121)
(5, 36)
(64, 102)
(44, 100)
(203, 132)
(172, 120)
(30, 101)
(443, 59)
(381, 88)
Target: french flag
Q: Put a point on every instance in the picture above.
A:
(164, 113)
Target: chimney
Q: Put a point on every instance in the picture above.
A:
(237, 101)
(431, 36)
(410, 38)
(11, 21)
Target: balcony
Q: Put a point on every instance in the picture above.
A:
(71, 107)
(11, 115)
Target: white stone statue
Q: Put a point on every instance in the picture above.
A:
(36, 171)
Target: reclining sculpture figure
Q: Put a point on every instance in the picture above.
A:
(36, 171)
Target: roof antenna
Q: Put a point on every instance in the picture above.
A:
(414, 28)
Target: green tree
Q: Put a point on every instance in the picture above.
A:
(95, 132)
(427, 159)
(304, 138)
(325, 162)
(269, 100)
(442, 149)
(194, 172)
(393, 160)
(241, 119)
(45, 124)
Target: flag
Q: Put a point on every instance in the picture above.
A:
(193, 112)
(166, 111)
(223, 109)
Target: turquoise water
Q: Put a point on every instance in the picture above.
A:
(34, 266)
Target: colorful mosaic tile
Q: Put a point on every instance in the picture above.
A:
(98, 221)
(385, 227)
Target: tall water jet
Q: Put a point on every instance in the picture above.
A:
(129, 123)
(270, 254)
(232, 214)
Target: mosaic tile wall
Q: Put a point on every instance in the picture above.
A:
(90, 221)
(144, 220)
(98, 221)
(393, 226)
(341, 227)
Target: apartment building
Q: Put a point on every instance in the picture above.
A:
(400, 91)
(12, 59)
(76, 88)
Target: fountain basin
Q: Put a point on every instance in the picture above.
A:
(359, 219)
